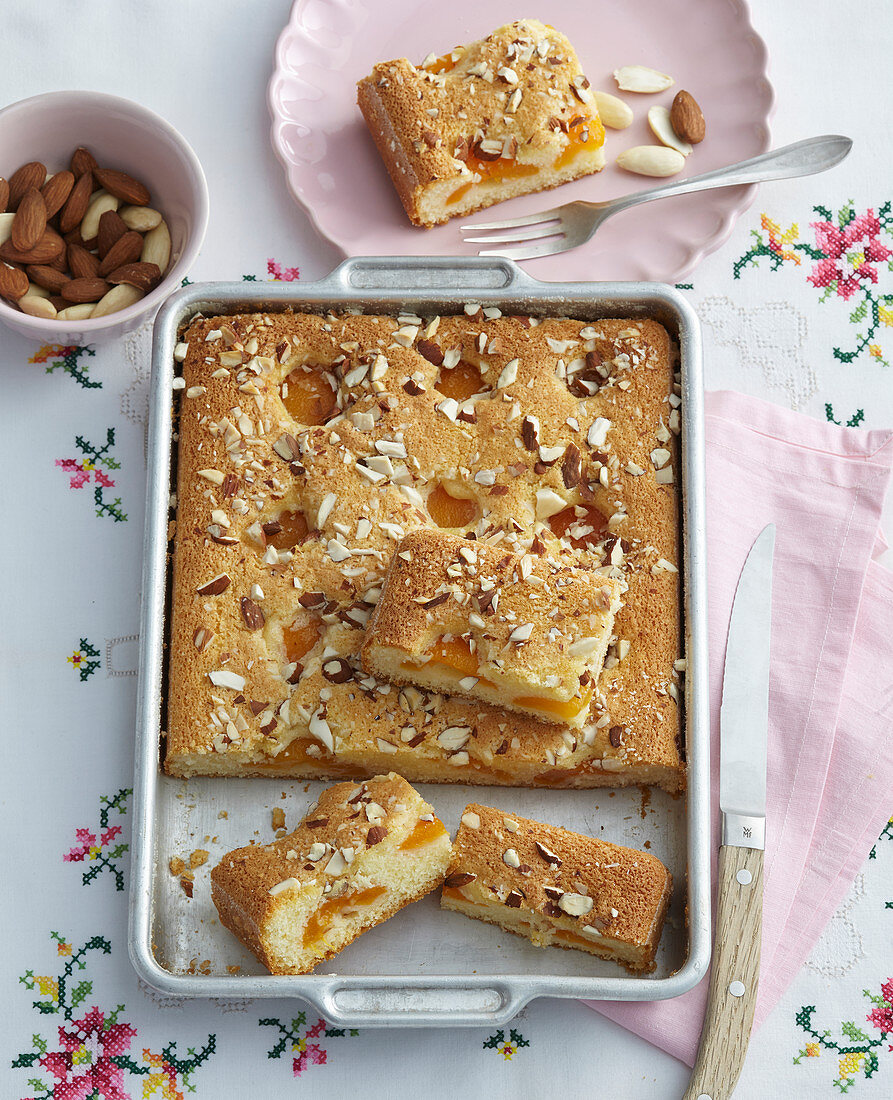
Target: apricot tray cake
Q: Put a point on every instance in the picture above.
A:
(558, 888)
(311, 445)
(502, 117)
(362, 853)
(524, 631)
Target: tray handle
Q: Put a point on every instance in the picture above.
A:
(417, 1004)
(406, 274)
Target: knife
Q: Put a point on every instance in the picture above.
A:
(743, 732)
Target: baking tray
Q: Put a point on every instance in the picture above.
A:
(423, 967)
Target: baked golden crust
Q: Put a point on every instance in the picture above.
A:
(558, 888)
(504, 116)
(376, 838)
(244, 697)
(524, 631)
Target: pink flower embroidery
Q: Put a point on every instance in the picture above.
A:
(314, 1055)
(89, 1046)
(882, 1015)
(850, 254)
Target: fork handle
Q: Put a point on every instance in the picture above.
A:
(803, 158)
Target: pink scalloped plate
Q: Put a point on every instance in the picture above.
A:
(334, 170)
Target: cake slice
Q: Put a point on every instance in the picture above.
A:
(510, 114)
(558, 888)
(525, 631)
(363, 852)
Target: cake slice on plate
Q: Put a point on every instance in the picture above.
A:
(526, 631)
(558, 888)
(510, 114)
(363, 852)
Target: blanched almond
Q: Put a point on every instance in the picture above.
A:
(99, 203)
(81, 312)
(613, 112)
(140, 218)
(157, 247)
(119, 297)
(661, 127)
(639, 78)
(651, 160)
(37, 307)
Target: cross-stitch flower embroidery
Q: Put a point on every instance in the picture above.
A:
(85, 1066)
(848, 254)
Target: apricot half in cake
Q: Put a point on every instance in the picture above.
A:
(361, 854)
(527, 631)
(510, 114)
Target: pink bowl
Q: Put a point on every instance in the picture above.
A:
(124, 135)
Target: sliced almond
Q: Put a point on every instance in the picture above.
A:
(651, 160)
(639, 78)
(613, 112)
(662, 128)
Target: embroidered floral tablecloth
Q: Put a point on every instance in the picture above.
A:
(797, 306)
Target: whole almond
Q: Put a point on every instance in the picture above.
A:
(122, 186)
(55, 192)
(140, 218)
(157, 246)
(47, 249)
(30, 221)
(651, 160)
(37, 307)
(126, 250)
(76, 204)
(13, 282)
(83, 264)
(687, 118)
(82, 160)
(111, 229)
(77, 291)
(100, 201)
(48, 277)
(4, 195)
(119, 297)
(142, 276)
(23, 179)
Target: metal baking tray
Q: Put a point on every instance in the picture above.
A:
(424, 967)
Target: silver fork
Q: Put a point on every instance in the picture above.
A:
(574, 223)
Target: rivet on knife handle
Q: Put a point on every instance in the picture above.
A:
(734, 975)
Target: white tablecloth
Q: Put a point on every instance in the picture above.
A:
(74, 459)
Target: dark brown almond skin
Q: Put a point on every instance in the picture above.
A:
(30, 175)
(687, 119)
(56, 191)
(76, 204)
(47, 249)
(50, 278)
(143, 276)
(13, 282)
(122, 186)
(4, 194)
(30, 221)
(77, 291)
(111, 229)
(58, 301)
(126, 250)
(83, 264)
(82, 160)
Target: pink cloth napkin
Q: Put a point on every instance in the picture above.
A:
(830, 769)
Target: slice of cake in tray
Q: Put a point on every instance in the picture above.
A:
(527, 631)
(558, 888)
(362, 853)
(510, 114)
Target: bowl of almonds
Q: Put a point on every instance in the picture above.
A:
(103, 209)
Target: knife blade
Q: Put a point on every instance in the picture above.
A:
(744, 731)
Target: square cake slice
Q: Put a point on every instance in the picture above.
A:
(526, 631)
(510, 114)
(363, 852)
(558, 888)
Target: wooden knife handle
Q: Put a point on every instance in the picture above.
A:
(734, 975)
